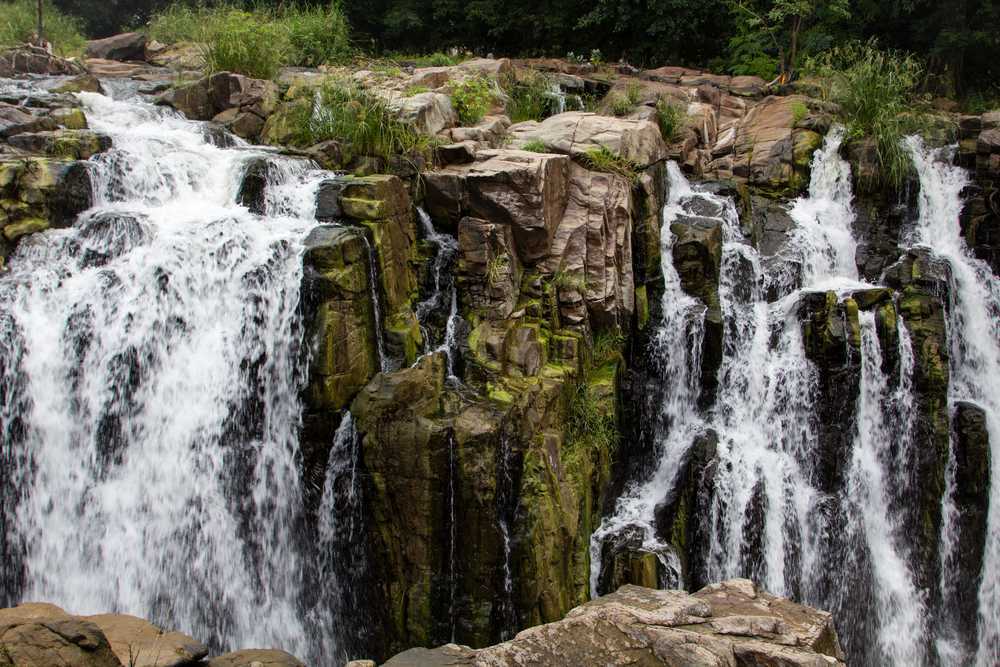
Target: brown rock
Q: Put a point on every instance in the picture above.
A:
(43, 635)
(256, 657)
(575, 132)
(126, 46)
(139, 643)
(521, 189)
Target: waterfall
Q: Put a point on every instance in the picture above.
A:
(444, 294)
(152, 365)
(676, 347)
(775, 514)
(384, 363)
(974, 332)
(506, 504)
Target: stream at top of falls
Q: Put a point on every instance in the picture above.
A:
(847, 548)
(152, 365)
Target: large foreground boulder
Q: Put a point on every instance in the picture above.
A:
(732, 623)
(42, 635)
(256, 657)
(139, 643)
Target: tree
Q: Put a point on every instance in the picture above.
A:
(783, 22)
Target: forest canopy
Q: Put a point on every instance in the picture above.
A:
(957, 40)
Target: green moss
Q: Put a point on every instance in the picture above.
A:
(641, 307)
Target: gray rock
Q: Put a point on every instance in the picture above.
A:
(126, 46)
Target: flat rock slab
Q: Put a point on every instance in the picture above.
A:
(256, 657)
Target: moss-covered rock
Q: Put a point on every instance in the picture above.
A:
(40, 193)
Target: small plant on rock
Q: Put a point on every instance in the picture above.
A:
(600, 158)
(472, 98)
(535, 146)
(528, 96)
(415, 90)
(668, 117)
(633, 93)
(619, 104)
(496, 268)
(799, 112)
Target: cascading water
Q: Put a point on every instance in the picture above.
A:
(444, 294)
(152, 370)
(974, 332)
(676, 356)
(775, 514)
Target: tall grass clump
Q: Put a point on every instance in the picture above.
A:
(669, 118)
(258, 42)
(876, 92)
(317, 35)
(18, 22)
(362, 121)
(601, 158)
(529, 96)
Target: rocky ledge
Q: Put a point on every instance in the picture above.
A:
(728, 624)
(43, 635)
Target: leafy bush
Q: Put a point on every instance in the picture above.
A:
(529, 97)
(472, 98)
(535, 146)
(668, 117)
(362, 120)
(600, 158)
(875, 91)
(18, 21)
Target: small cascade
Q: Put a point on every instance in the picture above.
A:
(341, 563)
(506, 497)
(443, 301)
(452, 538)
(384, 363)
(974, 332)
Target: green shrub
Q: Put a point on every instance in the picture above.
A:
(317, 35)
(529, 97)
(472, 98)
(589, 429)
(436, 59)
(362, 121)
(535, 146)
(668, 117)
(600, 158)
(18, 21)
(235, 42)
(876, 93)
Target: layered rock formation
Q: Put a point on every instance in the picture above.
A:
(732, 623)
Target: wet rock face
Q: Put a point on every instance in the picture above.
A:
(33, 60)
(972, 492)
(732, 623)
(240, 104)
(38, 194)
(831, 335)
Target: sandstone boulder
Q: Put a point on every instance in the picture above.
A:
(256, 658)
(238, 102)
(139, 643)
(42, 635)
(575, 132)
(33, 60)
(728, 624)
(126, 46)
(428, 113)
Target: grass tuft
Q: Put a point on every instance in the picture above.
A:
(535, 146)
(600, 158)
(668, 117)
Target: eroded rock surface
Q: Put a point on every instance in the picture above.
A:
(727, 624)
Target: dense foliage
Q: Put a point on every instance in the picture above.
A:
(957, 42)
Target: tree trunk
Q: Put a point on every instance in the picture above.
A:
(40, 32)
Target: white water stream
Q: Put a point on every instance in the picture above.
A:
(155, 354)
